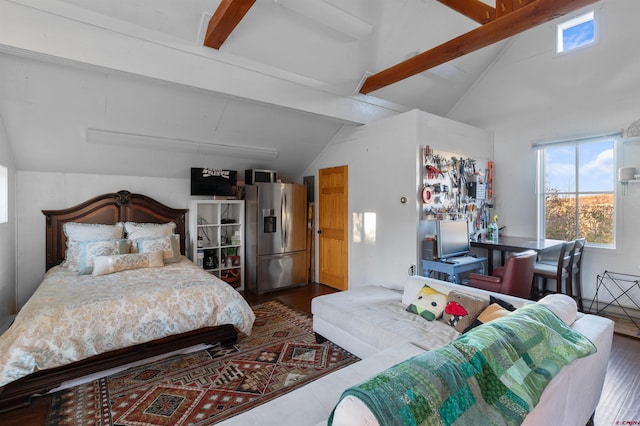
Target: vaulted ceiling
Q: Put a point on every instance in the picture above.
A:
(507, 18)
(312, 42)
(285, 77)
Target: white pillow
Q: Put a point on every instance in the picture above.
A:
(352, 411)
(562, 305)
(104, 265)
(136, 231)
(169, 246)
(91, 231)
(76, 232)
(89, 250)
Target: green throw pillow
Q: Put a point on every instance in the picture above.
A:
(429, 303)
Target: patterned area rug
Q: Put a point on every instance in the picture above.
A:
(208, 386)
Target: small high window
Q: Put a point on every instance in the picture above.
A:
(576, 32)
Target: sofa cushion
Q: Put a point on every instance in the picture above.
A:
(414, 283)
(492, 312)
(503, 303)
(429, 303)
(562, 305)
(462, 309)
(377, 316)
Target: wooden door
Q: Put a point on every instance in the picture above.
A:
(333, 228)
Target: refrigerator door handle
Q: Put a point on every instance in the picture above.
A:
(285, 220)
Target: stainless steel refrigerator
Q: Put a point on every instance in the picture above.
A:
(276, 236)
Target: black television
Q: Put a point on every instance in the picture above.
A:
(452, 238)
(206, 181)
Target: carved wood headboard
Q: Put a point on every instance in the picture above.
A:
(121, 206)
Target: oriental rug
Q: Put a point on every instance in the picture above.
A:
(207, 386)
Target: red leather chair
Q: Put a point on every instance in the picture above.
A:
(514, 278)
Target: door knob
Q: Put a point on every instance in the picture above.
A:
(319, 231)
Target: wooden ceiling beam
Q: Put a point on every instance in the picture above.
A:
(520, 19)
(507, 6)
(226, 17)
(472, 9)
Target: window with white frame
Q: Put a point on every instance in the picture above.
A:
(576, 32)
(4, 194)
(576, 182)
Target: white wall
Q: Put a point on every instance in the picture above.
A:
(383, 160)
(532, 94)
(7, 235)
(37, 191)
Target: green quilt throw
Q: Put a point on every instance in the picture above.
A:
(494, 374)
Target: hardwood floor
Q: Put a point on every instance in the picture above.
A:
(620, 400)
(619, 404)
(298, 297)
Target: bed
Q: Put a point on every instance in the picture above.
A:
(92, 316)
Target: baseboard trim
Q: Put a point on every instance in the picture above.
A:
(591, 306)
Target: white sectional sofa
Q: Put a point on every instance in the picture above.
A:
(372, 323)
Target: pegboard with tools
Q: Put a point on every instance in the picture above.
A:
(454, 185)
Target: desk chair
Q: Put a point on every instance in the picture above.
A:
(515, 278)
(576, 262)
(560, 271)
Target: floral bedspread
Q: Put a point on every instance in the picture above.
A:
(72, 317)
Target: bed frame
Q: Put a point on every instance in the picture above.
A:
(122, 206)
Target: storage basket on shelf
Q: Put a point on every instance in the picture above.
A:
(231, 277)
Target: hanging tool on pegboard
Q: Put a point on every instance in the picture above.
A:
(490, 184)
(433, 173)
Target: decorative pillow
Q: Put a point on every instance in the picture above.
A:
(562, 305)
(168, 245)
(72, 255)
(76, 232)
(136, 231)
(93, 232)
(493, 311)
(89, 250)
(462, 309)
(103, 265)
(503, 303)
(428, 303)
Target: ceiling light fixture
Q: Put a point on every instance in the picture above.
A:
(329, 16)
(111, 138)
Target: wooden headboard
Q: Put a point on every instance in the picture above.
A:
(108, 209)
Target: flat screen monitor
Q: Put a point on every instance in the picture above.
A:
(452, 238)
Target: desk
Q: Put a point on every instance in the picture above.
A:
(452, 268)
(515, 244)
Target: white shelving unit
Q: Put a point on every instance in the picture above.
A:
(216, 238)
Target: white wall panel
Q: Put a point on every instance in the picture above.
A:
(7, 234)
(383, 160)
